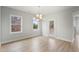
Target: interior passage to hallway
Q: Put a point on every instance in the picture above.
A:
(37, 44)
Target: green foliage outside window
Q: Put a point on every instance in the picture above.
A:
(35, 26)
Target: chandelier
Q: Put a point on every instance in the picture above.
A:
(38, 16)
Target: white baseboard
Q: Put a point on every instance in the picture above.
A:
(19, 38)
(64, 39)
(61, 38)
(30, 36)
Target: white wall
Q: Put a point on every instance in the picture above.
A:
(0, 25)
(63, 24)
(44, 28)
(27, 25)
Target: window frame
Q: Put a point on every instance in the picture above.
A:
(11, 24)
(37, 24)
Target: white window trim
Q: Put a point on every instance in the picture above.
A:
(11, 24)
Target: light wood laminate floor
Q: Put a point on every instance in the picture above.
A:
(38, 44)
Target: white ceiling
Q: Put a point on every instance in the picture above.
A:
(43, 9)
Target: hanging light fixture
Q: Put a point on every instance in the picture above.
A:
(39, 15)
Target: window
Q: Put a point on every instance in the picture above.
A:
(35, 24)
(16, 24)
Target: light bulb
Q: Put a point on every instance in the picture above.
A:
(37, 15)
(40, 15)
